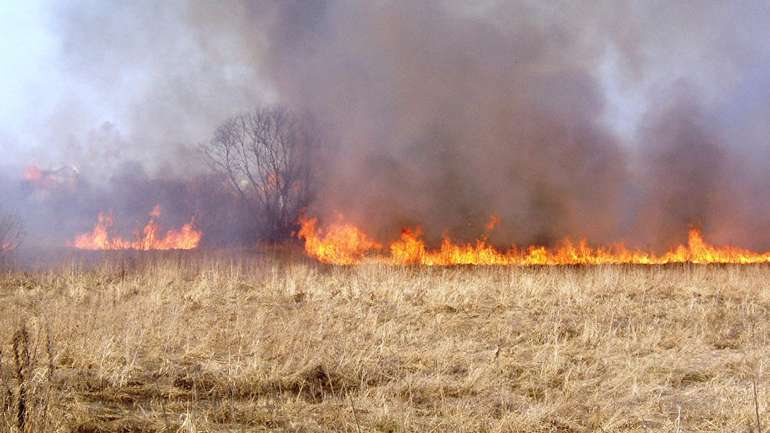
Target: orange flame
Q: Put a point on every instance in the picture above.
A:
(339, 244)
(47, 181)
(32, 173)
(345, 244)
(100, 237)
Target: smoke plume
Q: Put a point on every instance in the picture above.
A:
(611, 121)
(443, 114)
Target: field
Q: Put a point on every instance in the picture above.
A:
(181, 343)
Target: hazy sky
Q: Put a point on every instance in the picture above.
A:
(26, 77)
(67, 96)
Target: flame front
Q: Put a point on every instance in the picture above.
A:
(339, 244)
(345, 244)
(150, 238)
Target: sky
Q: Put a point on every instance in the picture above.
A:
(26, 76)
(62, 98)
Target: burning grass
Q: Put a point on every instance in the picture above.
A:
(150, 238)
(343, 243)
(179, 342)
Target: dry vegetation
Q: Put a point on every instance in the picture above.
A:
(183, 344)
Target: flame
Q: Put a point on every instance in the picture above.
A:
(100, 238)
(344, 244)
(32, 173)
(339, 244)
(46, 182)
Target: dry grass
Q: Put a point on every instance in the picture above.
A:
(183, 344)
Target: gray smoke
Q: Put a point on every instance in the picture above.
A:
(444, 114)
(610, 120)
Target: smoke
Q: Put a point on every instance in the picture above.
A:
(686, 170)
(131, 89)
(444, 114)
(611, 121)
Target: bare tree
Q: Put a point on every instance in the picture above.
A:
(266, 156)
(11, 233)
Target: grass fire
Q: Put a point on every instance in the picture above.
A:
(345, 244)
(150, 238)
(384, 216)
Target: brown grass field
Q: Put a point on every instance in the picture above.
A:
(180, 343)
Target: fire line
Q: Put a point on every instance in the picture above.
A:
(101, 237)
(342, 243)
